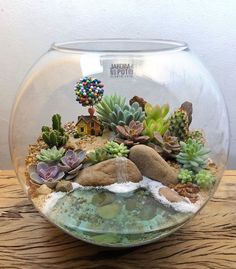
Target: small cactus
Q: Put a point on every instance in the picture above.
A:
(56, 135)
(179, 124)
(198, 136)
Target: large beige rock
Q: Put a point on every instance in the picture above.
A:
(152, 165)
(116, 170)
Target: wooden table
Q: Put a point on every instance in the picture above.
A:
(27, 240)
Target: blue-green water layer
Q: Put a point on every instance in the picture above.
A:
(105, 218)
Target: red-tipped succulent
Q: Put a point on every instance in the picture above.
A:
(131, 134)
(167, 145)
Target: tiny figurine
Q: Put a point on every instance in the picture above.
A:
(89, 91)
(88, 125)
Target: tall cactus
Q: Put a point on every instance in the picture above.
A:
(54, 136)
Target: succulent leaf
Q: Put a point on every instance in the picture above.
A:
(192, 155)
(156, 120)
(131, 134)
(51, 154)
(204, 179)
(113, 111)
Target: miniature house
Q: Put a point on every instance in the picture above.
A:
(87, 125)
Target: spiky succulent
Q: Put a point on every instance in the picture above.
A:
(185, 176)
(197, 135)
(193, 155)
(116, 150)
(113, 111)
(98, 155)
(56, 135)
(131, 134)
(72, 162)
(179, 124)
(51, 154)
(156, 119)
(43, 173)
(166, 145)
(204, 179)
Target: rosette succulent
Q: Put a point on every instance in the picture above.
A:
(116, 150)
(43, 173)
(167, 145)
(156, 120)
(185, 176)
(50, 155)
(131, 134)
(98, 155)
(113, 111)
(204, 179)
(71, 163)
(193, 155)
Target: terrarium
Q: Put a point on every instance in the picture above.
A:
(119, 142)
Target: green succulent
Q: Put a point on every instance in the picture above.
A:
(204, 179)
(99, 155)
(116, 150)
(179, 124)
(109, 151)
(197, 135)
(156, 120)
(113, 111)
(56, 135)
(193, 156)
(185, 176)
(51, 154)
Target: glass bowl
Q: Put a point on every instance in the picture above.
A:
(119, 142)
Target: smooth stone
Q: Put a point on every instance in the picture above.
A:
(109, 211)
(43, 190)
(116, 170)
(152, 165)
(131, 204)
(170, 195)
(148, 212)
(64, 186)
(103, 198)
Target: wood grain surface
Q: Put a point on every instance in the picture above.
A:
(27, 240)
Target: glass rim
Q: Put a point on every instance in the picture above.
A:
(120, 45)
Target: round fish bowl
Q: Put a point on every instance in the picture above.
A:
(119, 142)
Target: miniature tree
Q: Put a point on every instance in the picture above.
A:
(89, 91)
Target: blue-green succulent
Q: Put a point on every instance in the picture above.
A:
(50, 154)
(112, 111)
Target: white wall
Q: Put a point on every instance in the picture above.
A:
(27, 28)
